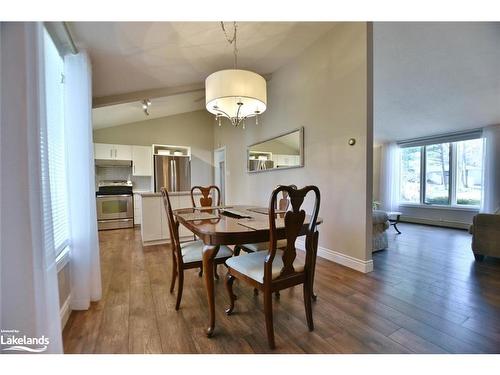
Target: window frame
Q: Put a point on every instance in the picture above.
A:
(62, 250)
(452, 172)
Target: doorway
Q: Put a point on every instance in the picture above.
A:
(220, 172)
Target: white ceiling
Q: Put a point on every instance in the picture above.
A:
(125, 113)
(432, 78)
(135, 56)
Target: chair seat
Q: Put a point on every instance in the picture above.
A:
(280, 244)
(192, 251)
(252, 265)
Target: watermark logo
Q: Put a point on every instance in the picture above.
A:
(12, 340)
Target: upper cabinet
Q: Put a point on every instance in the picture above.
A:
(112, 152)
(142, 160)
(123, 152)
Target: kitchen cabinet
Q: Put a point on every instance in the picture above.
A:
(137, 209)
(123, 152)
(154, 221)
(184, 201)
(282, 160)
(103, 151)
(107, 151)
(151, 221)
(142, 161)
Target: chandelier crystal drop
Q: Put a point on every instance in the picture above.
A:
(235, 94)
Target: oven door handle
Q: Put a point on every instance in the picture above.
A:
(113, 195)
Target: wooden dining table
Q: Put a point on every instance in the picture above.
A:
(218, 226)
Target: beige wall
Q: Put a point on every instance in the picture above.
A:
(325, 90)
(193, 129)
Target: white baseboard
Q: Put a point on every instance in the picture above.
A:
(364, 266)
(437, 223)
(65, 311)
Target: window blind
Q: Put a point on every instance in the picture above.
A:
(56, 199)
(444, 138)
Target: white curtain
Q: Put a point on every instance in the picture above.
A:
(29, 289)
(389, 177)
(85, 265)
(490, 202)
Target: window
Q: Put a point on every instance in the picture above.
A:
(55, 203)
(410, 175)
(445, 173)
(469, 172)
(437, 174)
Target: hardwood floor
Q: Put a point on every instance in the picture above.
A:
(426, 295)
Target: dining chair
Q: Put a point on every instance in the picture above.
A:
(206, 200)
(185, 255)
(278, 269)
(282, 205)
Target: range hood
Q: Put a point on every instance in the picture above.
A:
(113, 163)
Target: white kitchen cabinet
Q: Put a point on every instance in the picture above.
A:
(184, 201)
(164, 220)
(112, 152)
(137, 209)
(154, 225)
(104, 151)
(123, 152)
(151, 223)
(142, 161)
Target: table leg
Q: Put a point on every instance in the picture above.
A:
(209, 253)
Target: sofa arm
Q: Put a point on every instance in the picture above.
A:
(486, 234)
(486, 220)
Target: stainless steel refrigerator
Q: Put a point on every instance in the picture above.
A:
(172, 172)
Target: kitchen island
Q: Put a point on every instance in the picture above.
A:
(154, 225)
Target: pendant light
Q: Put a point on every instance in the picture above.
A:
(235, 94)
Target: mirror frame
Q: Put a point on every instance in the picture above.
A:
(301, 148)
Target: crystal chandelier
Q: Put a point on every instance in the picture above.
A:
(235, 94)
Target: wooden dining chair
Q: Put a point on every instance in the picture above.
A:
(282, 205)
(206, 200)
(277, 269)
(185, 255)
(207, 196)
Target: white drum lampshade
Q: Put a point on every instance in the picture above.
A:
(235, 94)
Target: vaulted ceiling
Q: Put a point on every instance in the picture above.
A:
(136, 56)
(435, 77)
(429, 77)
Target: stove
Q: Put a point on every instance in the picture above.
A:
(115, 204)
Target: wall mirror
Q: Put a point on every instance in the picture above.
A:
(281, 152)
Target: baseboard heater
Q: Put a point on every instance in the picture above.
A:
(436, 223)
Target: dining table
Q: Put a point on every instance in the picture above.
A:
(229, 225)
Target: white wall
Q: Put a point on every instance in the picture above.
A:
(325, 90)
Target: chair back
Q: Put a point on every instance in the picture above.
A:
(207, 197)
(284, 202)
(293, 220)
(173, 225)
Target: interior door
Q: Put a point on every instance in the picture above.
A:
(220, 172)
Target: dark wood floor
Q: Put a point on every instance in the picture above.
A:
(426, 295)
